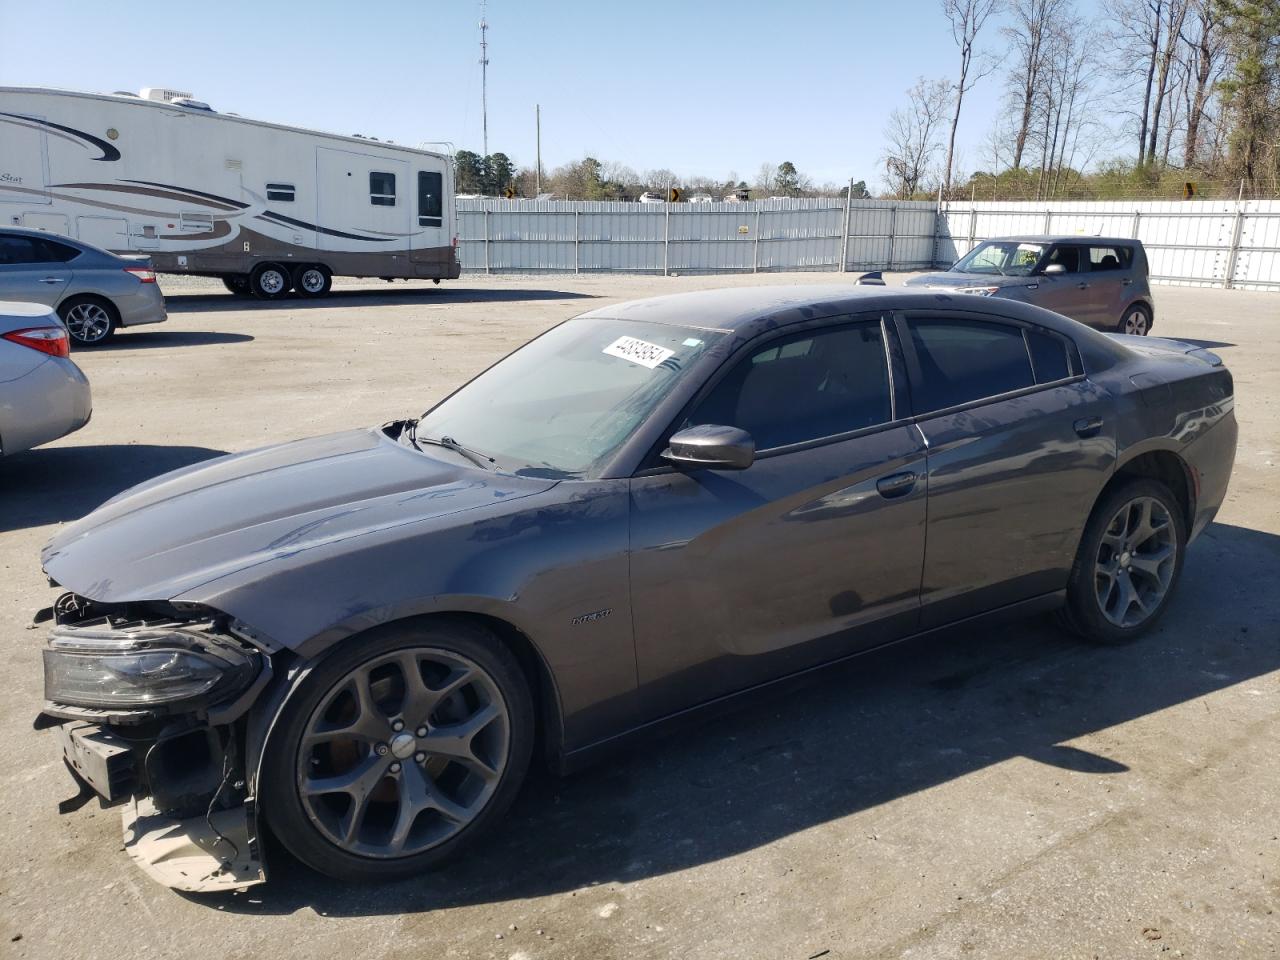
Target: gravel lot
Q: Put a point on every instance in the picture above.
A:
(1003, 793)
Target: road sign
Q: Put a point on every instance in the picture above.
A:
(509, 193)
(674, 195)
(1188, 190)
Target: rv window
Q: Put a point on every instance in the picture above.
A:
(430, 204)
(382, 189)
(280, 192)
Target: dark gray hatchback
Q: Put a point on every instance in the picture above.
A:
(1101, 281)
(652, 507)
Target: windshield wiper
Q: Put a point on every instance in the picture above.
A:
(475, 456)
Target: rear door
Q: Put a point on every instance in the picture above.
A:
(814, 551)
(1110, 281)
(1020, 444)
(33, 269)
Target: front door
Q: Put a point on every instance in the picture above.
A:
(1020, 444)
(812, 552)
(1065, 293)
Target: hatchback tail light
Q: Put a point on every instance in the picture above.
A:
(50, 340)
(144, 274)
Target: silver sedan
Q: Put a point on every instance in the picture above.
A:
(94, 292)
(43, 395)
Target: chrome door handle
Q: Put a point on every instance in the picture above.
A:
(1088, 426)
(1127, 281)
(896, 485)
(52, 280)
(1082, 286)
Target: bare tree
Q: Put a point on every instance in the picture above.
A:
(1029, 37)
(967, 18)
(1203, 40)
(913, 133)
(1168, 30)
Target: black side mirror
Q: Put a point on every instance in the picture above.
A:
(712, 447)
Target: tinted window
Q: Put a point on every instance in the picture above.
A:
(966, 360)
(811, 385)
(1110, 258)
(1069, 257)
(280, 192)
(20, 250)
(53, 252)
(430, 202)
(382, 189)
(1048, 356)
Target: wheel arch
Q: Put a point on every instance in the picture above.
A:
(1167, 467)
(291, 669)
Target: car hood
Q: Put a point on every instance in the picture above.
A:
(169, 535)
(950, 280)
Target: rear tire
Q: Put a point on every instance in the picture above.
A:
(312, 280)
(269, 281)
(1128, 563)
(90, 321)
(1136, 320)
(237, 283)
(364, 777)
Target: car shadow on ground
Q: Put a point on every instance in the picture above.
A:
(147, 339)
(339, 297)
(56, 484)
(865, 733)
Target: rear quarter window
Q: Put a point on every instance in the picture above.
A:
(961, 361)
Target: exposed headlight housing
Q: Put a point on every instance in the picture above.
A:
(978, 291)
(143, 666)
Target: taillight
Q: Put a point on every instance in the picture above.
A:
(50, 340)
(144, 274)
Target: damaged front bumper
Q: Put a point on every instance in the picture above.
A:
(177, 767)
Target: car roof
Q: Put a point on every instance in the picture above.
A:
(748, 312)
(1063, 238)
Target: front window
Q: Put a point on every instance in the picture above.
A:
(382, 189)
(564, 404)
(1009, 258)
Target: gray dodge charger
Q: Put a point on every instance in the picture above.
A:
(354, 640)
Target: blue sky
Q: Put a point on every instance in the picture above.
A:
(696, 87)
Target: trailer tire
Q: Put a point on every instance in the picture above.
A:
(270, 281)
(237, 283)
(312, 280)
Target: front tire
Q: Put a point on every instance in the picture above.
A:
(312, 280)
(269, 281)
(398, 750)
(1128, 563)
(90, 321)
(1136, 320)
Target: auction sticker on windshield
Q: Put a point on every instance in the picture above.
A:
(638, 351)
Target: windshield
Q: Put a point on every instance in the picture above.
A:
(1009, 258)
(563, 404)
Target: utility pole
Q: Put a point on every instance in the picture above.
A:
(537, 173)
(484, 75)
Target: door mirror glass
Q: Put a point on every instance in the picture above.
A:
(1054, 269)
(711, 446)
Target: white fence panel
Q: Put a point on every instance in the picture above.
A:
(1203, 243)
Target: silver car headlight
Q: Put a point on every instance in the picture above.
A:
(143, 666)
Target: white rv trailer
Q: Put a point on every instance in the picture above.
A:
(267, 208)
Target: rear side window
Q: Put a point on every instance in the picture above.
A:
(1049, 356)
(805, 387)
(1102, 259)
(280, 192)
(382, 189)
(430, 201)
(961, 361)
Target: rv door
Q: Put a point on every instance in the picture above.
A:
(364, 203)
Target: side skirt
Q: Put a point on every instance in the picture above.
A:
(585, 756)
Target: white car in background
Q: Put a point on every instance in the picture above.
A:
(648, 197)
(701, 198)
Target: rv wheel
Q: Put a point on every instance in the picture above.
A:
(269, 281)
(312, 280)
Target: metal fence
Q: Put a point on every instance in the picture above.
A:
(1205, 243)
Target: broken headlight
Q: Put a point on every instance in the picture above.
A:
(140, 665)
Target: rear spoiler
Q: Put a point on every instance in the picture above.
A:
(870, 280)
(1166, 345)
